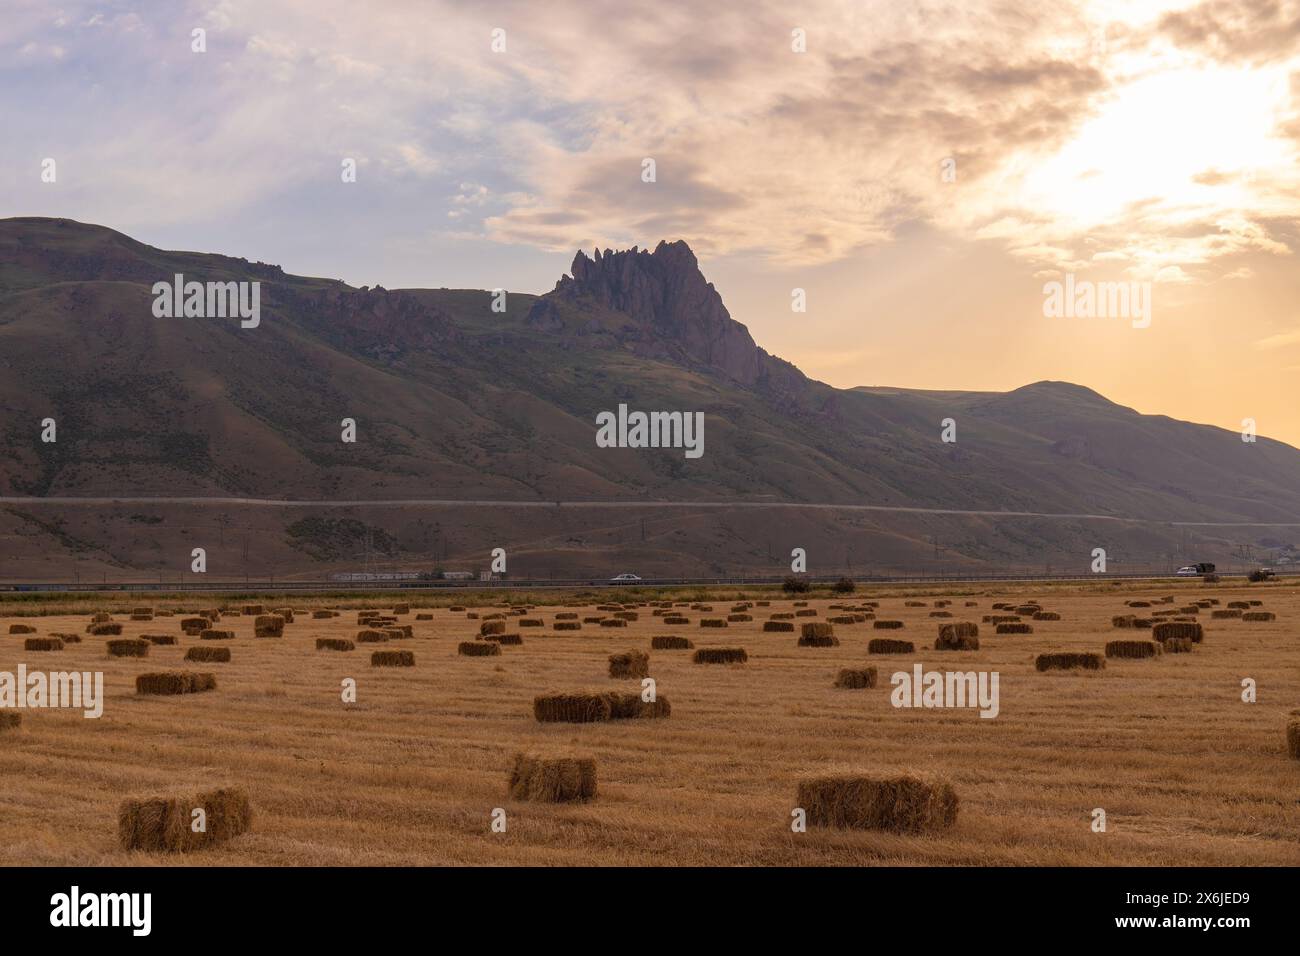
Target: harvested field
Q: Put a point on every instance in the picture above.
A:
(1187, 772)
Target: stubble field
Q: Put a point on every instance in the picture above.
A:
(1186, 772)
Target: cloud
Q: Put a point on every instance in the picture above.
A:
(1160, 139)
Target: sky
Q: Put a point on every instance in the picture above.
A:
(922, 171)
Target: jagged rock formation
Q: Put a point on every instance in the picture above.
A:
(670, 304)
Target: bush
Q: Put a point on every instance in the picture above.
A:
(793, 585)
(844, 586)
(1211, 579)
(1258, 575)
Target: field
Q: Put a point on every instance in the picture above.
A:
(411, 773)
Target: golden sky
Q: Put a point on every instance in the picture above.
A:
(1109, 141)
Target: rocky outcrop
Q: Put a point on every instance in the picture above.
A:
(674, 310)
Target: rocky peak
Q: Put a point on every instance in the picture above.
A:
(668, 299)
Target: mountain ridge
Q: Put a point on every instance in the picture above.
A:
(456, 400)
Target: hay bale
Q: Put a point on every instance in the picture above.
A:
(1239, 605)
(1177, 645)
(712, 622)
(334, 644)
(1132, 649)
(268, 625)
(882, 625)
(174, 682)
(567, 626)
(321, 615)
(1047, 616)
(127, 647)
(739, 618)
(194, 625)
(719, 655)
(1018, 628)
(676, 619)
(42, 644)
(395, 633)
(913, 604)
(856, 678)
(284, 612)
(1183, 630)
(806, 612)
(10, 720)
(1123, 620)
(629, 665)
(1258, 616)
(1069, 661)
(478, 649)
(531, 622)
(104, 630)
(899, 804)
(629, 706)
(552, 779)
(208, 655)
(959, 636)
(21, 629)
(392, 659)
(165, 640)
(781, 616)
(101, 617)
(778, 626)
(1292, 739)
(401, 609)
(886, 645)
(840, 619)
(1225, 613)
(941, 613)
(626, 615)
(252, 609)
(164, 823)
(613, 622)
(671, 642)
(68, 638)
(575, 708)
(511, 639)
(371, 637)
(214, 635)
(1028, 610)
(818, 634)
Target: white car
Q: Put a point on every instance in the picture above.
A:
(1187, 572)
(625, 577)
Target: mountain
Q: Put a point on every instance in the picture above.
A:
(455, 400)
